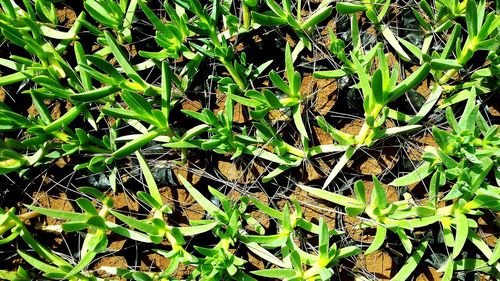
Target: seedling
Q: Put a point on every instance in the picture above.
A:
(281, 15)
(116, 16)
(378, 91)
(375, 15)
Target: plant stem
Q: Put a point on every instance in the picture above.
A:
(26, 216)
(234, 73)
(246, 16)
(295, 151)
(465, 55)
(366, 129)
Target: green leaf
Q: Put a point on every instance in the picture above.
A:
(330, 196)
(150, 181)
(105, 66)
(268, 19)
(416, 175)
(137, 103)
(84, 261)
(411, 263)
(364, 79)
(404, 240)
(468, 119)
(471, 18)
(378, 194)
(135, 144)
(445, 64)
(65, 215)
(125, 232)
(339, 136)
(410, 82)
(378, 240)
(86, 205)
(204, 202)
(94, 95)
(337, 73)
(279, 82)
(393, 41)
(40, 265)
(280, 273)
(74, 226)
(299, 123)
(157, 23)
(135, 223)
(412, 48)
(349, 8)
(377, 87)
(122, 61)
(462, 229)
(64, 120)
(340, 164)
(194, 230)
(100, 14)
(448, 48)
(317, 17)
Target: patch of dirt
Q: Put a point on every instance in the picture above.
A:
(237, 171)
(488, 225)
(428, 273)
(321, 136)
(256, 262)
(66, 16)
(32, 112)
(55, 113)
(123, 202)
(184, 206)
(132, 50)
(61, 162)
(494, 106)
(390, 191)
(116, 242)
(154, 261)
(374, 161)
(114, 261)
(60, 202)
(262, 218)
(314, 170)
(314, 208)
(3, 94)
(193, 105)
(283, 114)
(290, 40)
(379, 264)
(192, 171)
(240, 115)
(352, 126)
(424, 88)
(323, 92)
(416, 153)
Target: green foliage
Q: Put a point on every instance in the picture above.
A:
(121, 107)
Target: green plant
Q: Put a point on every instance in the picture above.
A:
(375, 15)
(319, 266)
(281, 15)
(98, 107)
(116, 16)
(378, 91)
